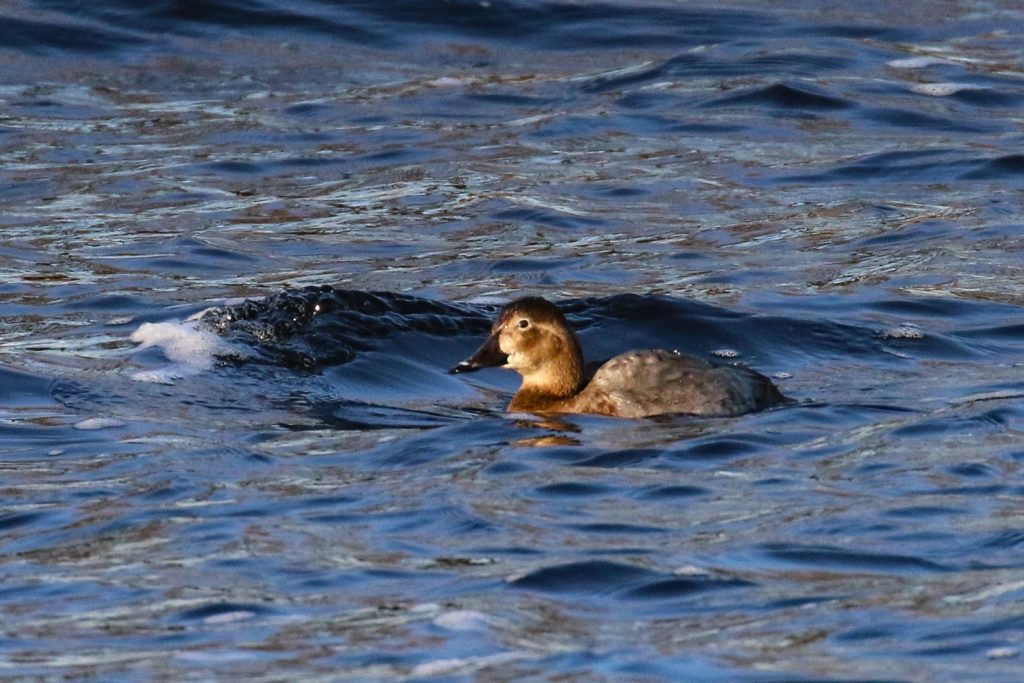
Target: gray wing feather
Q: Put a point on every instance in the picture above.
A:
(658, 381)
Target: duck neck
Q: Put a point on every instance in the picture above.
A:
(561, 377)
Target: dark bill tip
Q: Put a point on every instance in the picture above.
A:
(464, 366)
(489, 355)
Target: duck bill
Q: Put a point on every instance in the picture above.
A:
(489, 355)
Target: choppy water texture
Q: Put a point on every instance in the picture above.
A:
(291, 487)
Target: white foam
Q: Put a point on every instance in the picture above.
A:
(229, 617)
(189, 349)
(440, 667)
(98, 423)
(903, 331)
(449, 82)
(919, 62)
(463, 620)
(942, 89)
(448, 667)
(690, 570)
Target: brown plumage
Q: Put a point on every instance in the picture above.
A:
(532, 337)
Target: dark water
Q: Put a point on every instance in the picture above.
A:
(292, 488)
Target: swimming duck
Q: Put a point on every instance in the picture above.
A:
(532, 337)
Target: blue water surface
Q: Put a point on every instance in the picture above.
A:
(243, 241)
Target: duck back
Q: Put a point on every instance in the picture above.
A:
(657, 382)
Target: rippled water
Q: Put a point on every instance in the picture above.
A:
(291, 486)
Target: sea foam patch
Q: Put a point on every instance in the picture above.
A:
(98, 423)
(189, 349)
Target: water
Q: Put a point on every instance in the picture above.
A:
(271, 490)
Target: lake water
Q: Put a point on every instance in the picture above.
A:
(289, 486)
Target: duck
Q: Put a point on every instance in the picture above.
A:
(532, 337)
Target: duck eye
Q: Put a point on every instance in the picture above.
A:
(524, 323)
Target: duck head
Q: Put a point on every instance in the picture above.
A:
(532, 337)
